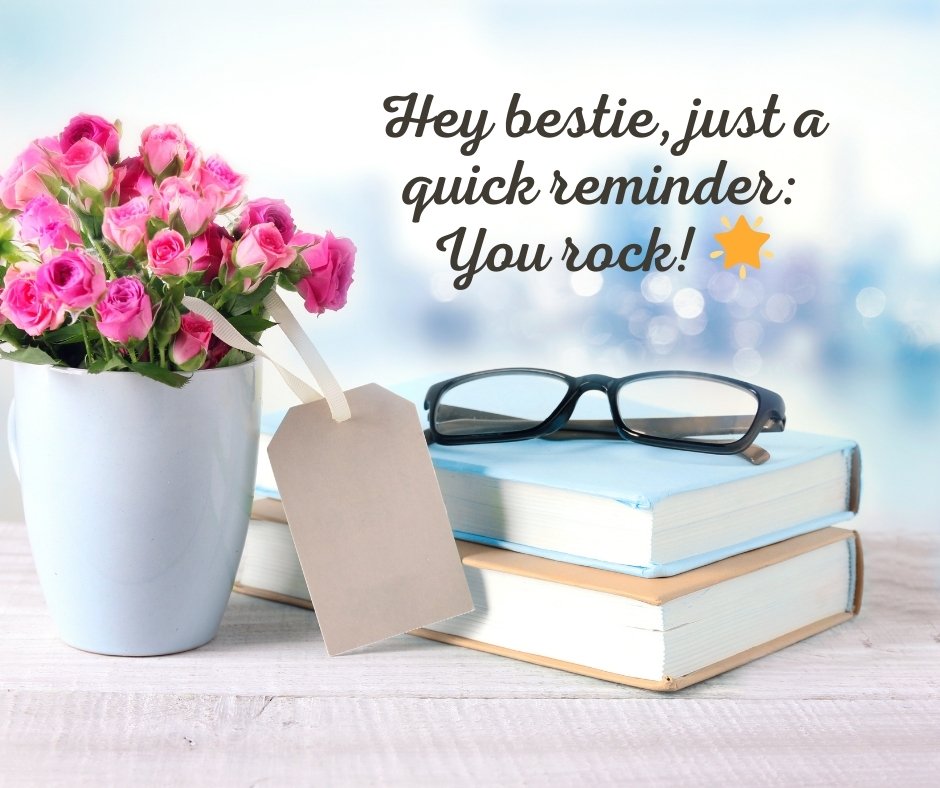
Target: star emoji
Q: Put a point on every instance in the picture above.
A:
(741, 244)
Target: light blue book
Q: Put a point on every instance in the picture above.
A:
(625, 507)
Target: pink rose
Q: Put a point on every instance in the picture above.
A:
(21, 268)
(330, 261)
(191, 344)
(266, 210)
(49, 224)
(262, 245)
(164, 150)
(211, 250)
(168, 254)
(85, 162)
(177, 196)
(94, 128)
(22, 181)
(25, 307)
(221, 182)
(73, 279)
(125, 226)
(126, 312)
(132, 180)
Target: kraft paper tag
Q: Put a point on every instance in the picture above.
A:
(367, 518)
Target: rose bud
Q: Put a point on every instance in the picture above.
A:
(24, 178)
(86, 163)
(176, 196)
(210, 250)
(106, 135)
(191, 344)
(168, 254)
(330, 262)
(164, 150)
(131, 179)
(262, 245)
(48, 224)
(125, 226)
(26, 308)
(220, 182)
(267, 210)
(125, 313)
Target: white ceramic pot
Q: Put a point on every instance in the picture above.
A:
(137, 498)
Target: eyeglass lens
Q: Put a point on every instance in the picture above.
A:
(499, 403)
(687, 408)
(675, 407)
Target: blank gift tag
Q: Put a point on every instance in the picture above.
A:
(367, 518)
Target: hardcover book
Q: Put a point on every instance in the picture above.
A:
(663, 633)
(655, 633)
(629, 508)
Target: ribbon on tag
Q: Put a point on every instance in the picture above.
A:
(323, 377)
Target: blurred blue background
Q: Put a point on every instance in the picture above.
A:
(843, 321)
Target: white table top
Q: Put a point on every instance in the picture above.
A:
(263, 705)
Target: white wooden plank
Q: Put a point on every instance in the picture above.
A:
(263, 705)
(88, 739)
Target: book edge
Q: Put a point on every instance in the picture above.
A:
(859, 574)
(652, 590)
(272, 596)
(668, 683)
(847, 447)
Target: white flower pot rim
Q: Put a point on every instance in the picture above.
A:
(77, 371)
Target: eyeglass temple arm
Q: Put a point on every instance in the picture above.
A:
(663, 426)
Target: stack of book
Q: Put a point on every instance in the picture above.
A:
(651, 567)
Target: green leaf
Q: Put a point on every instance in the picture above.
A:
(167, 322)
(106, 365)
(159, 374)
(248, 272)
(296, 271)
(233, 358)
(120, 262)
(53, 183)
(66, 335)
(248, 301)
(10, 253)
(154, 225)
(176, 222)
(193, 278)
(251, 324)
(7, 229)
(29, 355)
(15, 336)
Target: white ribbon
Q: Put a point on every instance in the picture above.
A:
(335, 398)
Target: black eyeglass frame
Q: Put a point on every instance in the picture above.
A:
(769, 417)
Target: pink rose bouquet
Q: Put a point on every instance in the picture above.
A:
(97, 253)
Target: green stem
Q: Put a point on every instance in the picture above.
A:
(132, 354)
(105, 344)
(163, 357)
(150, 346)
(104, 258)
(88, 352)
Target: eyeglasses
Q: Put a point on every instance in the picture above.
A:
(694, 411)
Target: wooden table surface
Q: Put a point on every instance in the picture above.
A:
(263, 705)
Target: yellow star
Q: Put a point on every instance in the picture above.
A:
(741, 244)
